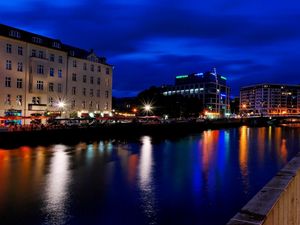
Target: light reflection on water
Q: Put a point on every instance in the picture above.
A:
(56, 190)
(145, 180)
(186, 180)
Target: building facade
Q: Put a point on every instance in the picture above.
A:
(40, 75)
(211, 88)
(270, 99)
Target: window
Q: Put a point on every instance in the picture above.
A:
(19, 83)
(74, 63)
(59, 73)
(8, 64)
(84, 92)
(51, 58)
(84, 66)
(40, 85)
(59, 88)
(20, 50)
(35, 100)
(14, 33)
(83, 104)
(98, 80)
(91, 92)
(56, 44)
(50, 101)
(8, 99)
(33, 53)
(73, 76)
(60, 59)
(107, 70)
(91, 104)
(91, 80)
(73, 90)
(20, 67)
(99, 68)
(106, 106)
(51, 87)
(73, 104)
(98, 106)
(41, 54)
(51, 72)
(98, 93)
(8, 48)
(72, 52)
(40, 69)
(106, 94)
(37, 40)
(92, 67)
(19, 100)
(106, 82)
(84, 79)
(7, 81)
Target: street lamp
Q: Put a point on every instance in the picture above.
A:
(61, 106)
(147, 108)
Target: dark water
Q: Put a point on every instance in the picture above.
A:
(198, 179)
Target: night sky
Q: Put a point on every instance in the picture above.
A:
(150, 42)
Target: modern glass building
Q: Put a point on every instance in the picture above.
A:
(211, 88)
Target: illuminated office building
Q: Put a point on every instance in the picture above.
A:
(211, 88)
(270, 99)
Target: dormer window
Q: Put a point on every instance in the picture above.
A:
(56, 44)
(72, 53)
(14, 33)
(37, 40)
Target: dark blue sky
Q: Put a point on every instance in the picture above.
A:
(150, 42)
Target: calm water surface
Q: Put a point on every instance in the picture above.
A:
(199, 179)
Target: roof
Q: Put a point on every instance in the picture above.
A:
(18, 34)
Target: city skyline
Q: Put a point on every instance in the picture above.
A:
(150, 43)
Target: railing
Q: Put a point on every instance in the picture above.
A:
(278, 203)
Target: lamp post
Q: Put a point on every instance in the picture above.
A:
(61, 106)
(147, 108)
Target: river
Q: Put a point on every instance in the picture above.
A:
(202, 178)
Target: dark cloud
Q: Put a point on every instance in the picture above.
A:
(151, 42)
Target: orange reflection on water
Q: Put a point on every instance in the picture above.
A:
(132, 168)
(261, 143)
(208, 143)
(243, 151)
(283, 150)
(4, 175)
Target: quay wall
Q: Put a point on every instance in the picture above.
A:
(277, 203)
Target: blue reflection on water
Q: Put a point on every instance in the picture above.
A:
(184, 180)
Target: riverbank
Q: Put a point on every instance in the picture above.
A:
(120, 130)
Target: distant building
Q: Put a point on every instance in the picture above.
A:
(211, 88)
(270, 99)
(41, 75)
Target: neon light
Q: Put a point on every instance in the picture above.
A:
(199, 74)
(182, 76)
(224, 78)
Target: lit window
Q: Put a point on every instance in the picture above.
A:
(51, 72)
(59, 73)
(20, 67)
(19, 100)
(37, 40)
(14, 33)
(40, 85)
(56, 45)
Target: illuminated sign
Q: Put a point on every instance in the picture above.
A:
(181, 76)
(224, 78)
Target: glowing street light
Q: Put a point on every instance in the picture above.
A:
(61, 104)
(147, 108)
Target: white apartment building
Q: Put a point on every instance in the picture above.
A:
(40, 75)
